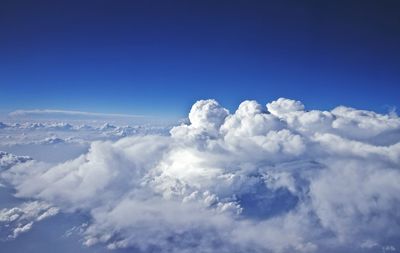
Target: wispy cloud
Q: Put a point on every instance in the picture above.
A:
(51, 112)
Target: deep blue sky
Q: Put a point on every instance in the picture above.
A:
(158, 57)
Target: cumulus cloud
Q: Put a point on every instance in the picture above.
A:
(8, 160)
(262, 179)
(17, 220)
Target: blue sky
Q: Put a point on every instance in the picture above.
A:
(158, 57)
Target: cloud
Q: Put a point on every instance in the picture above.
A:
(8, 160)
(41, 112)
(82, 116)
(262, 179)
(17, 220)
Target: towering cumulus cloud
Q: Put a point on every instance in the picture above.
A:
(262, 179)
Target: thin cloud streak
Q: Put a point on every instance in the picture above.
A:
(38, 112)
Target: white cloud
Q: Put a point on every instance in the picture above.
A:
(8, 160)
(46, 115)
(279, 179)
(17, 220)
(283, 106)
(21, 113)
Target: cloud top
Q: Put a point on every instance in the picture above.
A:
(262, 179)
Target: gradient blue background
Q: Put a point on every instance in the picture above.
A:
(158, 57)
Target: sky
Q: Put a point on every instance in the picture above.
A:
(159, 57)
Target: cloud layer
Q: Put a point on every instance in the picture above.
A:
(20, 113)
(18, 220)
(262, 179)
